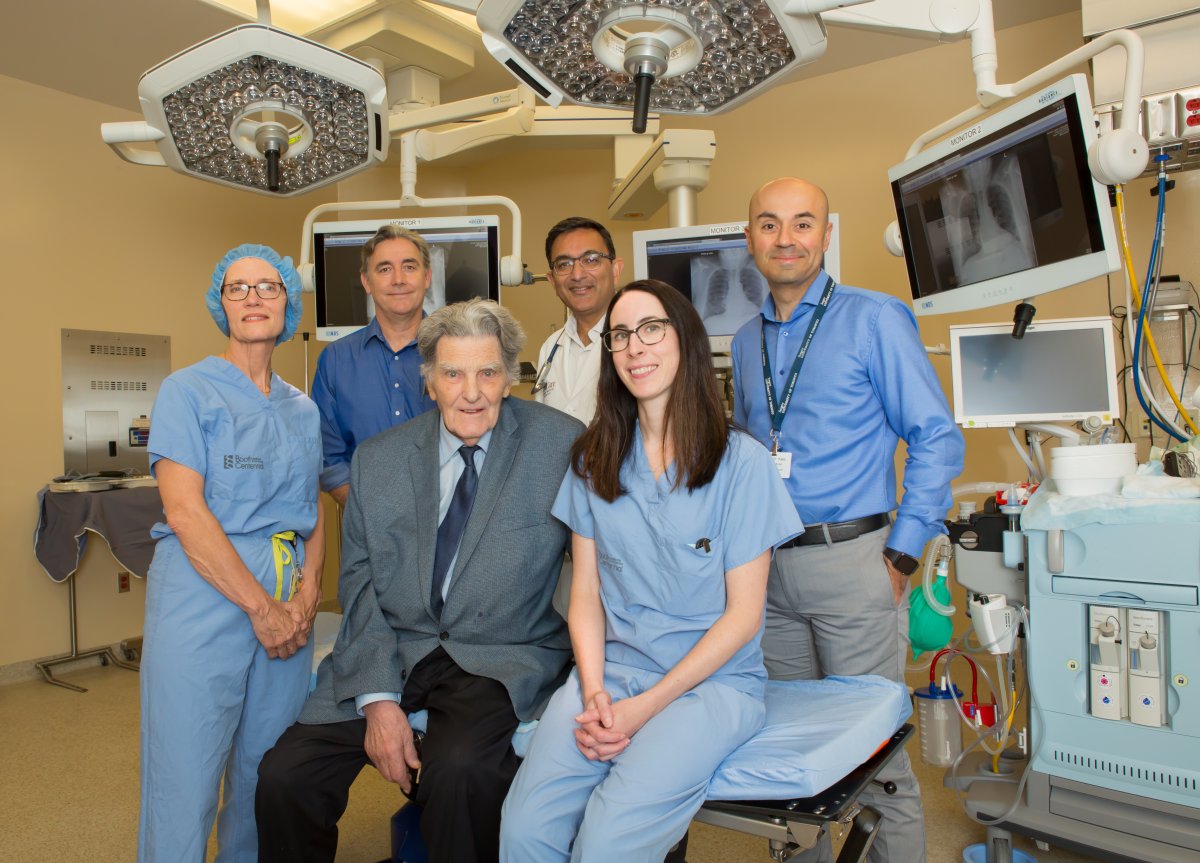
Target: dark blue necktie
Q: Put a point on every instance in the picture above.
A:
(450, 531)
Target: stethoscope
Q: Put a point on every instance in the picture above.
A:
(539, 382)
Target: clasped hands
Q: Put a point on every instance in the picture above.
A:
(605, 728)
(282, 628)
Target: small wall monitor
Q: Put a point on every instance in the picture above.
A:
(464, 256)
(1062, 370)
(712, 267)
(1006, 209)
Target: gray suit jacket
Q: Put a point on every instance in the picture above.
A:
(497, 621)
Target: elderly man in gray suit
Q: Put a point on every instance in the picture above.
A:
(449, 562)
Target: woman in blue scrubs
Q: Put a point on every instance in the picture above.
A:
(674, 517)
(236, 576)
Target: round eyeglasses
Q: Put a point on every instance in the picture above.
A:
(649, 332)
(590, 261)
(238, 291)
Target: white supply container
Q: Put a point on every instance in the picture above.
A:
(1089, 470)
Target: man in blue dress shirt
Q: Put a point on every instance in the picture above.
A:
(370, 380)
(830, 378)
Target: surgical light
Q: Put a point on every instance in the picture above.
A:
(259, 109)
(669, 56)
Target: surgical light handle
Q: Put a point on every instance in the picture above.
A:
(119, 136)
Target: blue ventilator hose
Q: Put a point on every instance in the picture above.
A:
(1141, 321)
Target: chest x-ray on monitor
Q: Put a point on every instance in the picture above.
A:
(726, 289)
(1061, 371)
(1006, 209)
(987, 221)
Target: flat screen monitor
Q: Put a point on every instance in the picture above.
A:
(1006, 209)
(1060, 371)
(711, 266)
(464, 253)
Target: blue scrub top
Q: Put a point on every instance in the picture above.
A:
(661, 593)
(259, 455)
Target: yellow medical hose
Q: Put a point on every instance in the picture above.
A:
(1129, 273)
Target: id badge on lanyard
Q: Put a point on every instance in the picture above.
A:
(778, 410)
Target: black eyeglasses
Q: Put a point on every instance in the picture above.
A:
(238, 291)
(590, 261)
(649, 332)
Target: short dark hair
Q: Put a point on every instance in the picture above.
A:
(579, 223)
(392, 231)
(695, 409)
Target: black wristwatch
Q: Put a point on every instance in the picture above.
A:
(905, 564)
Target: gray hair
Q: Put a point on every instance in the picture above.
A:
(392, 231)
(473, 318)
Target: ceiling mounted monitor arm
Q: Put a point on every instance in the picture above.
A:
(1117, 157)
(941, 20)
(417, 142)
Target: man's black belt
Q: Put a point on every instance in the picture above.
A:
(839, 531)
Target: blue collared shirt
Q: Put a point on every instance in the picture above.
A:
(363, 387)
(866, 384)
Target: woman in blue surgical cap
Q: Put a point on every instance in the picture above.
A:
(236, 576)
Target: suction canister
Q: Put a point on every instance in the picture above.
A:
(941, 737)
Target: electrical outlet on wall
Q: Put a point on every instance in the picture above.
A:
(122, 582)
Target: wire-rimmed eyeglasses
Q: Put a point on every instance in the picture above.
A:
(590, 261)
(649, 332)
(238, 291)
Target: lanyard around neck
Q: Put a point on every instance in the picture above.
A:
(778, 410)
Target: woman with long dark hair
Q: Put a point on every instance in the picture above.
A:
(674, 517)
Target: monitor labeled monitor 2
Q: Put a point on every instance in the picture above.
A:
(1006, 209)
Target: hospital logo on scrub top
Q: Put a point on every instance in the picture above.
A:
(243, 462)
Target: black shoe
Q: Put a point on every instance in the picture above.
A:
(678, 854)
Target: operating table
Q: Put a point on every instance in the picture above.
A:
(795, 783)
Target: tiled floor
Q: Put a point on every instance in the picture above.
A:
(69, 786)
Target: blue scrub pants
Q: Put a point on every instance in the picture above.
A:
(634, 808)
(212, 704)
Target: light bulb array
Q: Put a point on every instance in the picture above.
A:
(213, 121)
(740, 44)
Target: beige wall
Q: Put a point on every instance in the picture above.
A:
(841, 130)
(91, 242)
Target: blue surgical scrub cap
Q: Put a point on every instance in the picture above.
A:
(287, 272)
